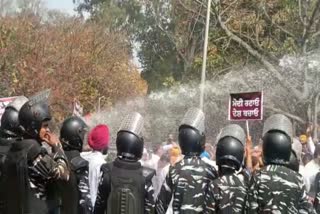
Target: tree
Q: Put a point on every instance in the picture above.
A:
(242, 34)
(73, 58)
(166, 50)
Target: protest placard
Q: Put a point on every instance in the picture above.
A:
(246, 106)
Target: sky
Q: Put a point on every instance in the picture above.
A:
(63, 5)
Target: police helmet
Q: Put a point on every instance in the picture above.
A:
(31, 117)
(230, 151)
(277, 139)
(72, 133)
(191, 133)
(10, 118)
(129, 140)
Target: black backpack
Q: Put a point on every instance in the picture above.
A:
(127, 189)
(20, 199)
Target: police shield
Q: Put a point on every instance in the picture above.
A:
(235, 131)
(133, 123)
(278, 122)
(195, 119)
(18, 103)
(42, 96)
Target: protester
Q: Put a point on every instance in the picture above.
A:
(311, 170)
(257, 162)
(126, 186)
(169, 141)
(28, 167)
(145, 157)
(98, 140)
(175, 155)
(297, 148)
(75, 192)
(187, 181)
(149, 159)
(306, 159)
(161, 173)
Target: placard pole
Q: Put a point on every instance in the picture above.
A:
(247, 125)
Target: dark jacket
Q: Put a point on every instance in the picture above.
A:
(28, 169)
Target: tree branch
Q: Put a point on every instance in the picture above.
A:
(231, 4)
(307, 29)
(302, 17)
(276, 25)
(259, 56)
(315, 34)
(292, 116)
(257, 46)
(188, 9)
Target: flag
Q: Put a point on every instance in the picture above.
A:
(77, 108)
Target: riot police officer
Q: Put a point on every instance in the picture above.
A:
(9, 132)
(187, 182)
(276, 188)
(28, 167)
(126, 186)
(10, 127)
(75, 192)
(227, 193)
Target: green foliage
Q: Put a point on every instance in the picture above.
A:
(170, 33)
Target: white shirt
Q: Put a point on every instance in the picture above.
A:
(302, 171)
(152, 162)
(310, 172)
(95, 159)
(158, 181)
(311, 145)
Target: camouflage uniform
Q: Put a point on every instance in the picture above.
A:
(317, 197)
(277, 189)
(187, 182)
(75, 192)
(227, 194)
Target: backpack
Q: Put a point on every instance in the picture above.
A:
(127, 190)
(20, 198)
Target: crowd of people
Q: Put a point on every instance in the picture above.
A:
(281, 174)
